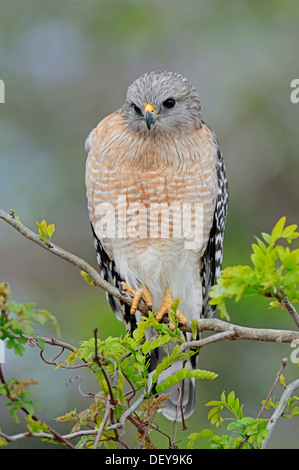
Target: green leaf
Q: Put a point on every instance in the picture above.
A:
(184, 374)
(215, 416)
(145, 347)
(87, 278)
(194, 328)
(233, 425)
(202, 374)
(172, 380)
(274, 304)
(289, 232)
(266, 237)
(278, 229)
(165, 363)
(262, 245)
(186, 355)
(275, 269)
(35, 426)
(3, 441)
(231, 399)
(295, 411)
(50, 230)
(41, 342)
(45, 231)
(205, 433)
(159, 341)
(19, 350)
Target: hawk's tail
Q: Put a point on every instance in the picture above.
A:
(181, 401)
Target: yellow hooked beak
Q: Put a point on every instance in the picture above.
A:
(149, 114)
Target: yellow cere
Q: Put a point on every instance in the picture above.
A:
(149, 107)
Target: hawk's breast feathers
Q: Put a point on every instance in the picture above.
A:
(127, 172)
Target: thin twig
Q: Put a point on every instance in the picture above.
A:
(155, 427)
(280, 409)
(291, 309)
(180, 390)
(283, 364)
(32, 341)
(284, 301)
(85, 395)
(103, 423)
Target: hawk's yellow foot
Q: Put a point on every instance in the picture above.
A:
(165, 307)
(141, 293)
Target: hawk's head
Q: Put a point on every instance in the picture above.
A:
(162, 101)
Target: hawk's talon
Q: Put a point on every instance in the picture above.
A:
(141, 293)
(120, 288)
(181, 318)
(164, 310)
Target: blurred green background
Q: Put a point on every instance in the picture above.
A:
(67, 64)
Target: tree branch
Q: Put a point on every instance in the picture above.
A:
(283, 365)
(284, 301)
(228, 330)
(280, 409)
(243, 332)
(291, 309)
(67, 256)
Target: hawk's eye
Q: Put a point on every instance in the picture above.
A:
(169, 103)
(137, 110)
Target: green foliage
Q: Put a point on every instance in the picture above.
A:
(173, 316)
(19, 398)
(253, 429)
(3, 442)
(35, 426)
(18, 319)
(45, 231)
(129, 356)
(251, 432)
(275, 271)
(231, 403)
(290, 403)
(125, 361)
(121, 364)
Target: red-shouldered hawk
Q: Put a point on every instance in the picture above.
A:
(157, 200)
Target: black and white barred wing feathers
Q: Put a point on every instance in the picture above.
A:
(212, 260)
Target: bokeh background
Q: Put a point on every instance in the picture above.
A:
(67, 64)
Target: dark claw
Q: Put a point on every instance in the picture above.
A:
(150, 308)
(120, 288)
